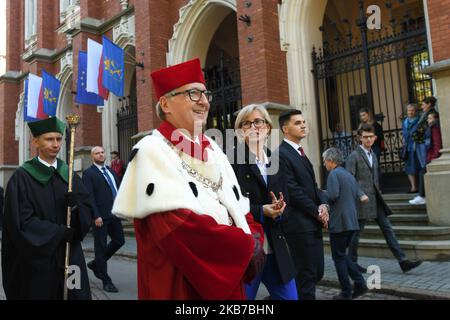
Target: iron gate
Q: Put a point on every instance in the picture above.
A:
(381, 72)
(224, 81)
(127, 125)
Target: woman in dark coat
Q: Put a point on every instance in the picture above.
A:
(257, 181)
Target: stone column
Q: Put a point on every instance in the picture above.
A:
(437, 179)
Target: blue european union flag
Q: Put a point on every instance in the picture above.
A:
(51, 87)
(26, 118)
(113, 67)
(83, 96)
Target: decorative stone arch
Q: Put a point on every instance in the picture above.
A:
(124, 37)
(192, 34)
(65, 100)
(22, 135)
(299, 22)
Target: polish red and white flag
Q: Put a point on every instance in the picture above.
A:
(35, 101)
(95, 69)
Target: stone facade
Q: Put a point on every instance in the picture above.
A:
(275, 42)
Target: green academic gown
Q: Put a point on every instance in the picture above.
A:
(33, 247)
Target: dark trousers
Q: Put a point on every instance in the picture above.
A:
(422, 182)
(343, 263)
(307, 252)
(103, 250)
(388, 233)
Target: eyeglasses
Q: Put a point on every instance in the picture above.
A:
(194, 94)
(368, 137)
(258, 123)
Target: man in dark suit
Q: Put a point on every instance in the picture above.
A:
(307, 210)
(362, 164)
(102, 183)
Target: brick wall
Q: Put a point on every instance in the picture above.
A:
(439, 15)
(92, 9)
(263, 64)
(48, 20)
(9, 93)
(14, 26)
(154, 32)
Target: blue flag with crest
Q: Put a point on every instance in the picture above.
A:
(113, 67)
(84, 97)
(51, 88)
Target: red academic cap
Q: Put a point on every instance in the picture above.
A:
(168, 79)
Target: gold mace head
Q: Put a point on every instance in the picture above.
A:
(73, 120)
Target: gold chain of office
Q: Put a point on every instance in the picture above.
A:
(206, 182)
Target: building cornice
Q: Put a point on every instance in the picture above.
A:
(437, 67)
(13, 76)
(96, 26)
(47, 55)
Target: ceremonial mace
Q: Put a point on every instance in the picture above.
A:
(73, 121)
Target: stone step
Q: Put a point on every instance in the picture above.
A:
(405, 207)
(403, 232)
(128, 231)
(127, 223)
(410, 219)
(399, 196)
(424, 250)
(128, 227)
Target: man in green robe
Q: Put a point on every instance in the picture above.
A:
(35, 215)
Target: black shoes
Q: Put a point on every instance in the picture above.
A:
(91, 265)
(107, 284)
(359, 291)
(361, 269)
(341, 297)
(408, 265)
(110, 287)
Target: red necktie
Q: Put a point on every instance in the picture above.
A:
(301, 151)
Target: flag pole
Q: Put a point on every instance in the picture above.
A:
(73, 121)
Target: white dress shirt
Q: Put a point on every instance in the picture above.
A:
(262, 166)
(369, 155)
(294, 145)
(54, 164)
(108, 173)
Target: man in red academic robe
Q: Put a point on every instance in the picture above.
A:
(195, 236)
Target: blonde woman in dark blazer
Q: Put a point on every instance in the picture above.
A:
(260, 185)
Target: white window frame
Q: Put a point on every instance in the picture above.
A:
(66, 6)
(30, 20)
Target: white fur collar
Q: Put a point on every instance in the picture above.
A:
(157, 169)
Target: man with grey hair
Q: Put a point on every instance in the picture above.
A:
(103, 183)
(343, 193)
(196, 237)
